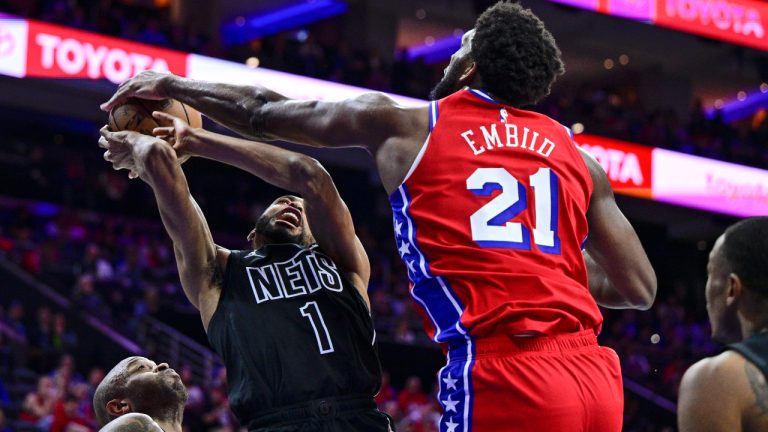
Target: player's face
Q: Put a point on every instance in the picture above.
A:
(152, 386)
(722, 315)
(460, 61)
(284, 221)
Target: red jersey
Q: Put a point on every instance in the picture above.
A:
(491, 221)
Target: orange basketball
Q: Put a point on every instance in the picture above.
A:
(136, 114)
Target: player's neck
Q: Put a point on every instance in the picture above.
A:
(751, 328)
(169, 425)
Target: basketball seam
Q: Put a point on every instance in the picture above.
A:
(112, 119)
(186, 114)
(147, 111)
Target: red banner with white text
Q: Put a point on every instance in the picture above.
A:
(55, 51)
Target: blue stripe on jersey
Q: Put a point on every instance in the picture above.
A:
(567, 129)
(445, 310)
(433, 114)
(482, 95)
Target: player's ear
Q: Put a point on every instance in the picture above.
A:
(469, 74)
(734, 290)
(251, 235)
(118, 407)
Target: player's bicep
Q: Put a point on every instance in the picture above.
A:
(332, 225)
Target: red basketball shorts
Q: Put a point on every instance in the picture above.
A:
(537, 384)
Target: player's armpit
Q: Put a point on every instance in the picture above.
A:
(133, 422)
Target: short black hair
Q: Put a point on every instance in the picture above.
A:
(516, 56)
(111, 387)
(745, 248)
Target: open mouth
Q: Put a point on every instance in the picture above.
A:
(290, 216)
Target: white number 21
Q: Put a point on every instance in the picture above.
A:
(490, 224)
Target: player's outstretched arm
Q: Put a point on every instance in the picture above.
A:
(197, 257)
(259, 113)
(132, 422)
(620, 275)
(327, 214)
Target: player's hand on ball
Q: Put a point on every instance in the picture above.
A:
(176, 131)
(122, 148)
(146, 85)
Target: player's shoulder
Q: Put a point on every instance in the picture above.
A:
(713, 373)
(132, 422)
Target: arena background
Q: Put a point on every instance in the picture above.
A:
(669, 95)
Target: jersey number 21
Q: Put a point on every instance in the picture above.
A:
(490, 224)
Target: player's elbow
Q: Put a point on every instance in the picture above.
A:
(307, 175)
(643, 291)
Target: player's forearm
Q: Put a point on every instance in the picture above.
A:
(182, 219)
(621, 295)
(279, 167)
(232, 106)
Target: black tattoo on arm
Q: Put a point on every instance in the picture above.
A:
(759, 388)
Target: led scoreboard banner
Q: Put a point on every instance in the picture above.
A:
(32, 49)
(740, 22)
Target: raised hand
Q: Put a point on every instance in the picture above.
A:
(176, 131)
(146, 85)
(123, 148)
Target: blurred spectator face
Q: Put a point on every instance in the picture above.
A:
(44, 316)
(44, 385)
(95, 376)
(86, 285)
(413, 384)
(721, 309)
(60, 322)
(16, 311)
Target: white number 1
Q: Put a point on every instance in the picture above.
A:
(490, 224)
(312, 312)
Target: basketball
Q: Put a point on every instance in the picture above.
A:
(136, 114)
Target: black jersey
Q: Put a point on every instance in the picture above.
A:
(754, 349)
(291, 328)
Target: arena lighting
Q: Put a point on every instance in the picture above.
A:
(742, 22)
(241, 30)
(438, 50)
(739, 109)
(35, 49)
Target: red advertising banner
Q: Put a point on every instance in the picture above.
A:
(739, 21)
(55, 51)
(628, 166)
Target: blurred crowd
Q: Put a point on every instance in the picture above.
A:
(322, 51)
(42, 390)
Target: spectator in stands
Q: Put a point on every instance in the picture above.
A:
(4, 427)
(387, 392)
(63, 339)
(412, 396)
(66, 417)
(37, 408)
(218, 416)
